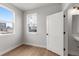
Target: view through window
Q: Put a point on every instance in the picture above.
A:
(32, 22)
(6, 21)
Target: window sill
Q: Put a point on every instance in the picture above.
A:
(8, 34)
(32, 32)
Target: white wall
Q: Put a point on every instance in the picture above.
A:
(39, 38)
(8, 42)
(75, 24)
(65, 6)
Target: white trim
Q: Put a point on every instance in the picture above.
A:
(36, 45)
(9, 49)
(27, 22)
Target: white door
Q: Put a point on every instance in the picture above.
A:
(55, 41)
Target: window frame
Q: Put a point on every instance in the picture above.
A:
(27, 24)
(11, 10)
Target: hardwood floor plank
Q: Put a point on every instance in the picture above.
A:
(27, 50)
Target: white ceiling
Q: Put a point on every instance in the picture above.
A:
(28, 6)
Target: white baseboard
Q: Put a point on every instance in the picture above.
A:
(35, 45)
(1, 53)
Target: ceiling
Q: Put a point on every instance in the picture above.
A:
(28, 6)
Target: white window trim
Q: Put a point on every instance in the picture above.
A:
(27, 25)
(6, 7)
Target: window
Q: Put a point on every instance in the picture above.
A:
(6, 20)
(32, 22)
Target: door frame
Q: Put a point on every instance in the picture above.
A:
(65, 33)
(65, 18)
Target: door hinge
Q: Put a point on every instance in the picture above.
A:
(64, 15)
(64, 49)
(64, 33)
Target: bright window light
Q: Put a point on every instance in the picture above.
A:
(32, 22)
(6, 21)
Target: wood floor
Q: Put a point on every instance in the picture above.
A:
(26, 50)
